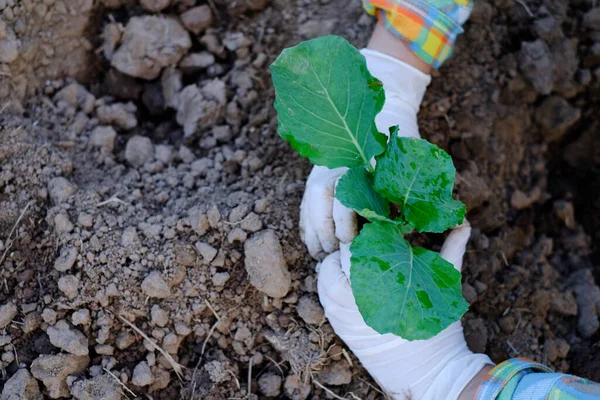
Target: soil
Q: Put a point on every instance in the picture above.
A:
(141, 176)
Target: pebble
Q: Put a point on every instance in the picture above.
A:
(124, 340)
(69, 339)
(66, 259)
(62, 223)
(207, 252)
(536, 64)
(336, 374)
(237, 235)
(555, 117)
(142, 375)
(7, 313)
(220, 278)
(159, 316)
(53, 371)
(49, 316)
(310, 310)
(252, 223)
(265, 264)
(76, 96)
(139, 151)
(164, 153)
(565, 212)
(195, 62)
(121, 115)
(69, 285)
(60, 190)
(295, 387)
(21, 386)
(155, 286)
(101, 386)
(269, 384)
(81, 317)
(171, 342)
(155, 5)
(214, 216)
(197, 19)
(103, 137)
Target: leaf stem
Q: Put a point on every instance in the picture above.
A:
(370, 168)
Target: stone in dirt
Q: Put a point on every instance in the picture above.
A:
(7, 313)
(149, 44)
(155, 5)
(336, 374)
(103, 137)
(555, 117)
(121, 115)
(76, 96)
(60, 190)
(142, 375)
(591, 19)
(21, 386)
(270, 384)
(295, 388)
(139, 150)
(199, 108)
(537, 65)
(66, 259)
(310, 310)
(265, 264)
(155, 286)
(587, 295)
(197, 19)
(195, 62)
(69, 339)
(69, 285)
(53, 370)
(103, 387)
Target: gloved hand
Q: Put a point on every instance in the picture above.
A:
(433, 369)
(325, 222)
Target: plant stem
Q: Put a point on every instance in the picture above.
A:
(370, 168)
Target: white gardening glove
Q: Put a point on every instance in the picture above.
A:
(434, 369)
(325, 222)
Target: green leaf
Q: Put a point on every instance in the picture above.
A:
(410, 292)
(355, 190)
(326, 101)
(419, 177)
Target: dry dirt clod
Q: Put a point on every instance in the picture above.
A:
(201, 107)
(53, 371)
(121, 115)
(336, 374)
(142, 375)
(7, 313)
(537, 66)
(139, 151)
(60, 189)
(265, 264)
(76, 96)
(295, 388)
(69, 285)
(270, 384)
(159, 316)
(555, 117)
(197, 19)
(103, 137)
(310, 310)
(149, 44)
(21, 386)
(69, 339)
(155, 5)
(155, 286)
(103, 387)
(66, 259)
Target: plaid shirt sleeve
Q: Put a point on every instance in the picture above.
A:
(428, 27)
(520, 378)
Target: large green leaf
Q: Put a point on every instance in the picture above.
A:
(408, 291)
(355, 190)
(419, 177)
(326, 101)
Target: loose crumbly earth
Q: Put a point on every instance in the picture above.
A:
(149, 238)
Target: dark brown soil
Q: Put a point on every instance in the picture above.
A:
(516, 107)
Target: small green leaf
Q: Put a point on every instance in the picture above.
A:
(355, 191)
(410, 292)
(419, 177)
(326, 101)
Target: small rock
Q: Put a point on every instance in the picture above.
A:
(81, 317)
(159, 316)
(202, 106)
(171, 343)
(66, 259)
(507, 323)
(76, 96)
(469, 293)
(482, 13)
(49, 316)
(476, 335)
(562, 348)
(21, 386)
(295, 387)
(214, 216)
(195, 62)
(102, 386)
(269, 384)
(7, 313)
(9, 50)
(197, 19)
(155, 5)
(555, 117)
(85, 220)
(69, 285)
(237, 235)
(207, 252)
(520, 200)
(155, 286)
(315, 28)
(103, 137)
(537, 66)
(564, 304)
(60, 190)
(120, 114)
(251, 223)
(591, 19)
(124, 340)
(62, 224)
(53, 371)
(336, 374)
(587, 295)
(310, 310)
(547, 28)
(551, 350)
(149, 44)
(164, 154)
(565, 212)
(142, 375)
(265, 264)
(139, 151)
(220, 278)
(129, 237)
(69, 339)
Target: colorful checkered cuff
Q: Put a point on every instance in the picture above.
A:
(428, 27)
